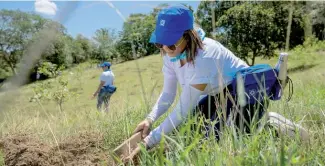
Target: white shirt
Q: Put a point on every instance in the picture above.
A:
(107, 77)
(215, 66)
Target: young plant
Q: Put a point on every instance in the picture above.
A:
(62, 93)
(42, 91)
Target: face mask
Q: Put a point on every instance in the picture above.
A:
(178, 57)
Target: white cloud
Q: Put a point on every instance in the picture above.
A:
(45, 7)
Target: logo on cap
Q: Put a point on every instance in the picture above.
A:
(162, 22)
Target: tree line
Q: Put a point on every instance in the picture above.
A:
(249, 29)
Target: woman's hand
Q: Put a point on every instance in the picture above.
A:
(144, 126)
(94, 95)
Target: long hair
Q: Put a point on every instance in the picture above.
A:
(193, 43)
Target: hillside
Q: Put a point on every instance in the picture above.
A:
(25, 124)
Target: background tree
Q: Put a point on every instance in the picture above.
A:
(204, 13)
(249, 27)
(137, 31)
(82, 49)
(318, 19)
(16, 28)
(105, 39)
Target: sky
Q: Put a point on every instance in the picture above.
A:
(88, 16)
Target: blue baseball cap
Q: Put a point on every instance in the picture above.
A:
(104, 64)
(171, 24)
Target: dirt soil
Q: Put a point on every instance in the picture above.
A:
(85, 149)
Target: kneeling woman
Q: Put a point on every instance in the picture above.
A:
(202, 66)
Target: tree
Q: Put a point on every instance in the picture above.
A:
(304, 18)
(59, 52)
(307, 20)
(248, 28)
(16, 29)
(204, 15)
(282, 14)
(105, 39)
(86, 45)
(137, 31)
(78, 53)
(82, 49)
(289, 26)
(318, 19)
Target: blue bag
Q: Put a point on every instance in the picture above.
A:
(109, 88)
(260, 81)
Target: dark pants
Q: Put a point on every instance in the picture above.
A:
(224, 107)
(103, 97)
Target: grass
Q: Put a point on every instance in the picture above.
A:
(2, 162)
(135, 97)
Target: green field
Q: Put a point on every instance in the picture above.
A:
(139, 83)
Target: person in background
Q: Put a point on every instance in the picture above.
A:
(106, 87)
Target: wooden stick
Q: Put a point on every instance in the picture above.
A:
(126, 148)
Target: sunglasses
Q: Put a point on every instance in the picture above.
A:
(171, 47)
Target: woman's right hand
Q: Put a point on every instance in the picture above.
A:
(144, 126)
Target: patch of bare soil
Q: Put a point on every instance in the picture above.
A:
(85, 149)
